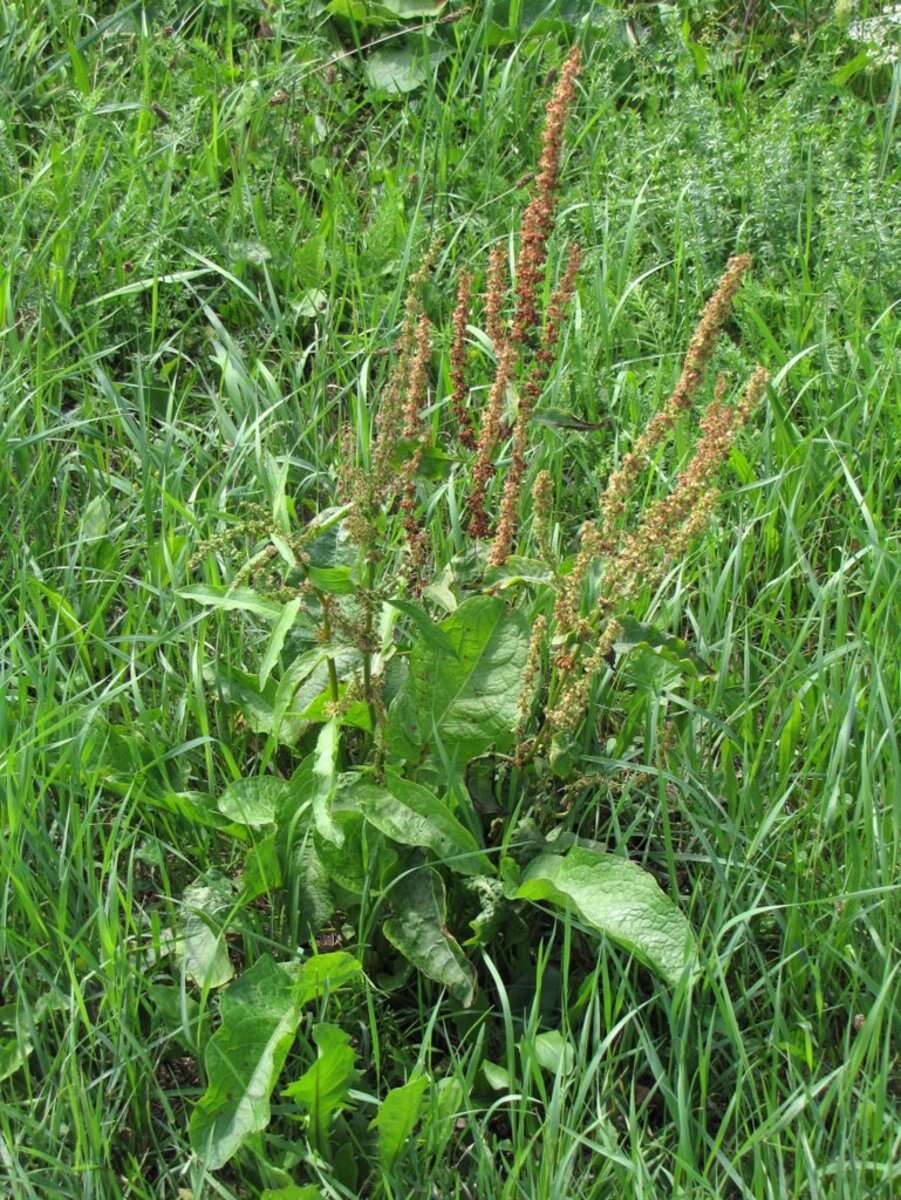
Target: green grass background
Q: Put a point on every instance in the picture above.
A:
(205, 239)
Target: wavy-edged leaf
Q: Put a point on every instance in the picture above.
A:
(617, 898)
(254, 801)
(244, 1057)
(201, 942)
(468, 702)
(430, 632)
(291, 1191)
(325, 779)
(262, 872)
(337, 581)
(414, 8)
(402, 67)
(410, 814)
(637, 636)
(554, 1052)
(517, 571)
(243, 691)
(418, 931)
(277, 639)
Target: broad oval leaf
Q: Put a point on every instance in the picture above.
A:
(244, 1057)
(636, 636)
(201, 943)
(468, 702)
(253, 801)
(325, 779)
(418, 931)
(410, 814)
(618, 899)
(400, 68)
(277, 639)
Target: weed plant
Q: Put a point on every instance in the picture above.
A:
(217, 227)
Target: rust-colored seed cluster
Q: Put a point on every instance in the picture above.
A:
(713, 318)
(495, 291)
(535, 230)
(596, 543)
(542, 507)
(544, 357)
(397, 414)
(661, 536)
(413, 431)
(538, 219)
(488, 438)
(458, 362)
(416, 379)
(531, 674)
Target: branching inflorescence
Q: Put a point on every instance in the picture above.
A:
(619, 554)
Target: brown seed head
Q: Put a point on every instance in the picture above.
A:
(461, 413)
(538, 219)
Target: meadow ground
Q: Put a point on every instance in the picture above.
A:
(211, 213)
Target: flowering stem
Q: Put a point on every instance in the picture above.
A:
(330, 662)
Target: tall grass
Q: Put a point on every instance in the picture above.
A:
(191, 307)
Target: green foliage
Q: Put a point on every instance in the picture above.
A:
(464, 703)
(244, 1058)
(323, 1089)
(619, 900)
(397, 1118)
(210, 218)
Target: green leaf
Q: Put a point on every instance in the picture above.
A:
(492, 909)
(414, 8)
(262, 872)
(292, 1192)
(355, 713)
(336, 581)
(398, 68)
(362, 13)
(351, 864)
(516, 570)
(496, 1076)
(303, 682)
(412, 815)
(468, 702)
(418, 931)
(253, 801)
(847, 72)
(243, 691)
(431, 463)
(561, 419)
(307, 882)
(24, 1019)
(324, 974)
(397, 1118)
(636, 636)
(618, 899)
(554, 1052)
(431, 633)
(323, 1089)
(230, 599)
(201, 942)
(325, 779)
(277, 639)
(243, 1059)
